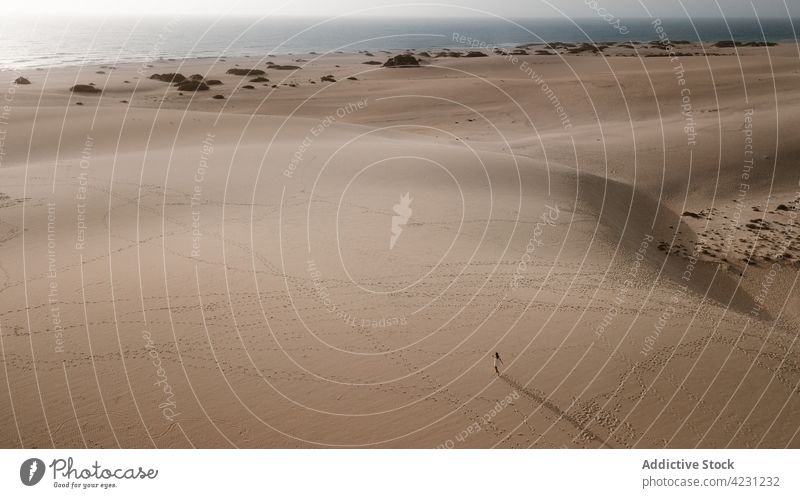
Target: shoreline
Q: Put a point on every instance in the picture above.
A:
(379, 53)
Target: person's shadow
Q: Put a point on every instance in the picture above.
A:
(553, 408)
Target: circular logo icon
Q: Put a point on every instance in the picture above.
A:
(31, 471)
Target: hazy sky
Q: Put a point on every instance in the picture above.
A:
(509, 8)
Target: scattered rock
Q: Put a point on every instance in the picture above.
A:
(249, 87)
(213, 82)
(218, 97)
(352, 78)
(280, 67)
(78, 103)
(168, 77)
(196, 77)
(476, 54)
(373, 63)
(328, 78)
(782, 207)
(402, 60)
(259, 79)
(84, 89)
(245, 72)
(691, 214)
(731, 44)
(192, 86)
(22, 81)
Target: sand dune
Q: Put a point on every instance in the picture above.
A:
(186, 271)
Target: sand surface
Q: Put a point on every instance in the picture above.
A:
(184, 271)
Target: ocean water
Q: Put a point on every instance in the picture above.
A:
(44, 42)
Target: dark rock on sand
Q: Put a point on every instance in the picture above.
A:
(691, 214)
(192, 86)
(259, 79)
(476, 54)
(218, 97)
(352, 78)
(84, 89)
(731, 44)
(280, 67)
(372, 63)
(402, 60)
(249, 87)
(213, 82)
(328, 78)
(22, 81)
(245, 72)
(196, 77)
(168, 77)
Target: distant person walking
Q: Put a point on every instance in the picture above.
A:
(497, 363)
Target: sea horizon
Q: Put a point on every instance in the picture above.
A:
(59, 41)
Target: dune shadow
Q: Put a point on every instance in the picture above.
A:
(554, 409)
